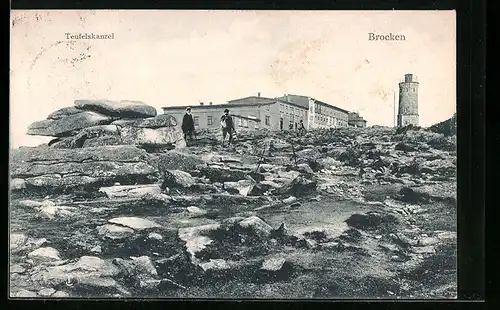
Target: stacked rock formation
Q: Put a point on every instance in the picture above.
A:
(103, 122)
(97, 142)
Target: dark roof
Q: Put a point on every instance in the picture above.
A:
(222, 106)
(250, 99)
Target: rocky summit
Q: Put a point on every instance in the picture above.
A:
(117, 206)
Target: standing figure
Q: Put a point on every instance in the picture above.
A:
(188, 124)
(227, 124)
(302, 128)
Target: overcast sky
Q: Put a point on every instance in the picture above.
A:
(168, 58)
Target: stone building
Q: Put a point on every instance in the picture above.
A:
(256, 112)
(355, 120)
(408, 102)
(320, 114)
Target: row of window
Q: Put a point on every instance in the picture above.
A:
(413, 89)
(320, 109)
(289, 109)
(241, 121)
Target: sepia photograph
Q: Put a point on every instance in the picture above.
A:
(233, 154)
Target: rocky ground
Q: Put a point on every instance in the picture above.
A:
(345, 213)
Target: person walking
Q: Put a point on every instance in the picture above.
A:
(227, 126)
(302, 128)
(188, 125)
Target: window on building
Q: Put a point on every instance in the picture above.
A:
(210, 120)
(268, 120)
(240, 122)
(196, 120)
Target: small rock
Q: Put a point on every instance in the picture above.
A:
(428, 241)
(48, 253)
(260, 227)
(17, 269)
(423, 250)
(155, 236)
(295, 205)
(30, 203)
(96, 249)
(215, 264)
(135, 223)
(273, 264)
(378, 237)
(17, 240)
(114, 231)
(46, 292)
(149, 283)
(17, 184)
(196, 211)
(289, 199)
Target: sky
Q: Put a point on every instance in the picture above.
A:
(169, 58)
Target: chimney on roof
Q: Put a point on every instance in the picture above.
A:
(201, 103)
(258, 94)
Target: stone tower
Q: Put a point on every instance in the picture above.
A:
(408, 102)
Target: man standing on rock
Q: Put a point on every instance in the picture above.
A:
(227, 124)
(188, 124)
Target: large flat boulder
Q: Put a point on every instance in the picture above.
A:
(124, 108)
(65, 125)
(91, 136)
(51, 167)
(162, 120)
(58, 114)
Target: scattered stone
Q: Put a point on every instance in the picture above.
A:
(195, 211)
(17, 184)
(17, 240)
(175, 160)
(178, 178)
(423, 250)
(131, 191)
(47, 253)
(428, 241)
(17, 269)
(135, 223)
(96, 249)
(257, 225)
(273, 264)
(215, 264)
(196, 239)
(155, 236)
(114, 231)
(30, 203)
(289, 199)
(46, 292)
(242, 187)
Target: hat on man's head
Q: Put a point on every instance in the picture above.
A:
(188, 109)
(226, 110)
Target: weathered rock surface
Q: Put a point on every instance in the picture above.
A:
(175, 160)
(131, 191)
(163, 120)
(65, 125)
(60, 168)
(135, 223)
(124, 108)
(162, 136)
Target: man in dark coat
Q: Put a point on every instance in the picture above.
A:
(302, 128)
(227, 124)
(188, 125)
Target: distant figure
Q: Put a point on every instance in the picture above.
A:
(188, 124)
(296, 125)
(290, 126)
(227, 124)
(302, 128)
